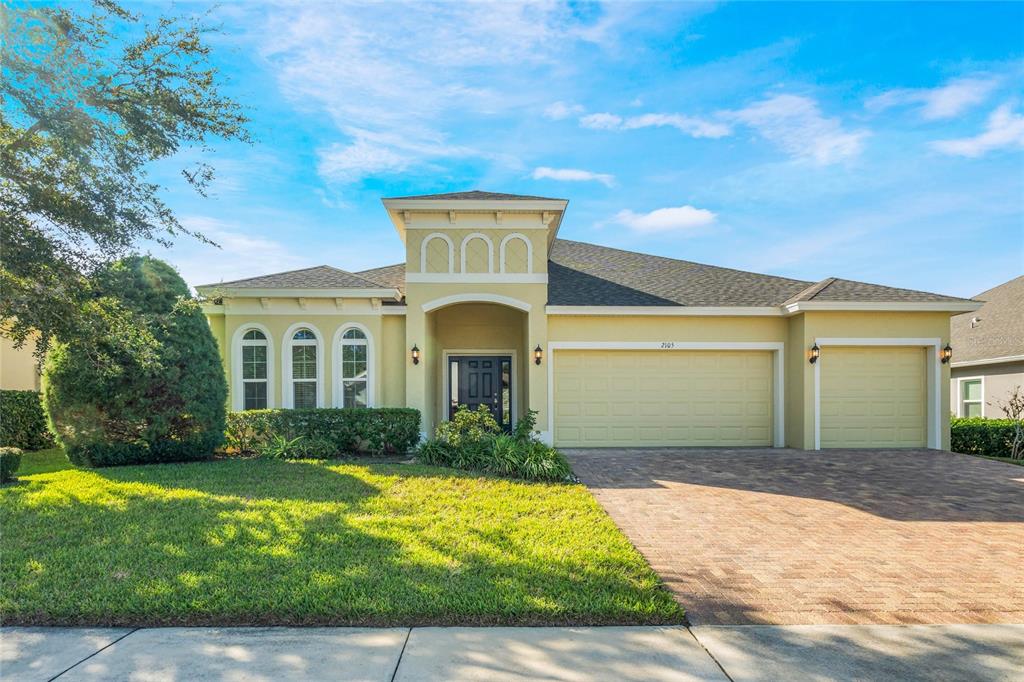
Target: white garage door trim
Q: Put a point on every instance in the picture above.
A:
(934, 378)
(778, 392)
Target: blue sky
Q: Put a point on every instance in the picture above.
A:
(879, 142)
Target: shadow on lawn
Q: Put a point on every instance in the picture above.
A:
(293, 543)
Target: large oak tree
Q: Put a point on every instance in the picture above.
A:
(91, 96)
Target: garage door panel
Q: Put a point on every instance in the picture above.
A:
(699, 398)
(873, 397)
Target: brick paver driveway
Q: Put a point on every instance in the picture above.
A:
(788, 536)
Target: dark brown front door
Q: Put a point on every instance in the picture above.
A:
(475, 380)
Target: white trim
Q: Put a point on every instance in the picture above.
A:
(243, 292)
(338, 394)
(901, 306)
(288, 392)
(462, 253)
(476, 205)
(446, 378)
(529, 252)
(778, 369)
(477, 278)
(933, 423)
(475, 298)
(423, 251)
(237, 385)
(667, 310)
(960, 394)
(987, 361)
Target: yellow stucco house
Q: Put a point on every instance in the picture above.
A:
(611, 348)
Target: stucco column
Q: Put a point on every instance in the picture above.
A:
(537, 375)
(416, 375)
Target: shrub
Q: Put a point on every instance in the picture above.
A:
(22, 421)
(325, 432)
(473, 441)
(10, 460)
(153, 390)
(299, 447)
(979, 436)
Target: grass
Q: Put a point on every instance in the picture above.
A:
(43, 462)
(236, 542)
(1008, 460)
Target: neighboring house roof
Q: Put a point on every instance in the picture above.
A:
(581, 274)
(999, 333)
(318, 277)
(477, 195)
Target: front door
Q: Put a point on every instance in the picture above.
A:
(475, 380)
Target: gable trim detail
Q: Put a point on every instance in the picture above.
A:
(476, 298)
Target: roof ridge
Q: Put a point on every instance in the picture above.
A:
(810, 292)
(269, 274)
(353, 274)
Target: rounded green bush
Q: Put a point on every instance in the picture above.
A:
(149, 385)
(10, 460)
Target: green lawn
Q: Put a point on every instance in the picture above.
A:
(273, 542)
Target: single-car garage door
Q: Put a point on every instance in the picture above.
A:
(662, 397)
(873, 397)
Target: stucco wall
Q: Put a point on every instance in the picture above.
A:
(325, 319)
(528, 226)
(18, 369)
(998, 382)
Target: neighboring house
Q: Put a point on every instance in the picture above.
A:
(18, 368)
(988, 344)
(611, 348)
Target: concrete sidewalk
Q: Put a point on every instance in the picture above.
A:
(740, 653)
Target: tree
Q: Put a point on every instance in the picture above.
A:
(149, 387)
(89, 100)
(1013, 407)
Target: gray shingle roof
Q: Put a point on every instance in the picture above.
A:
(1000, 332)
(587, 274)
(318, 277)
(581, 274)
(478, 195)
(392, 276)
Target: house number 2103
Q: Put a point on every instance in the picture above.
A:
(667, 344)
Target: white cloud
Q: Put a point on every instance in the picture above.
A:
(573, 175)
(562, 110)
(677, 219)
(695, 127)
(946, 101)
(1003, 129)
(241, 254)
(796, 125)
(397, 104)
(602, 121)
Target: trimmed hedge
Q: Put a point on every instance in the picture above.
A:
(23, 422)
(10, 460)
(369, 430)
(979, 436)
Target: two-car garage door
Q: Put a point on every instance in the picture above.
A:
(870, 396)
(662, 397)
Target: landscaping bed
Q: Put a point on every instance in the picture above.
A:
(261, 542)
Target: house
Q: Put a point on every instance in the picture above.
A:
(611, 348)
(989, 346)
(19, 370)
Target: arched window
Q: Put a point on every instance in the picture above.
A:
(355, 369)
(255, 375)
(305, 369)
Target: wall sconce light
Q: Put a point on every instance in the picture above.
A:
(538, 354)
(946, 353)
(815, 353)
(415, 355)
